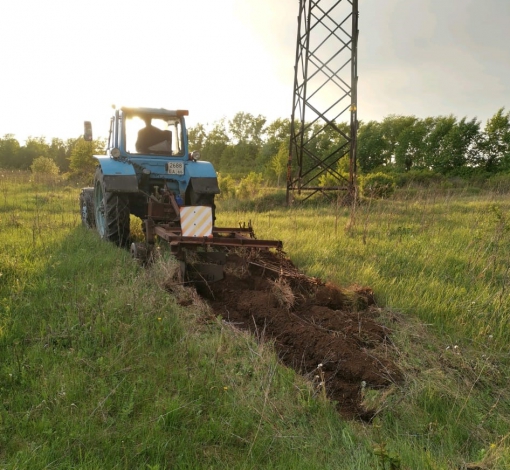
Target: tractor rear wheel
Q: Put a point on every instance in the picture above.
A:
(87, 208)
(111, 212)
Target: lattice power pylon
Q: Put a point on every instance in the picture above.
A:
(324, 110)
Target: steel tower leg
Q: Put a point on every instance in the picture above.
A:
(324, 108)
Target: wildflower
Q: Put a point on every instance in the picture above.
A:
(159, 318)
(319, 366)
(225, 388)
(492, 446)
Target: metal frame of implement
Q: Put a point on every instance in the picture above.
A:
(163, 221)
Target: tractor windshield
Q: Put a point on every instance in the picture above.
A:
(153, 135)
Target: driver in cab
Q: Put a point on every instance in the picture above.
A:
(152, 139)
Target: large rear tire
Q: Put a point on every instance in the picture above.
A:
(88, 219)
(111, 212)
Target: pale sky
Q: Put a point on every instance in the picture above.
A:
(65, 61)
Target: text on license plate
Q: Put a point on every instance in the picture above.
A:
(175, 168)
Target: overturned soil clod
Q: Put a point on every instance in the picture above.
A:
(311, 323)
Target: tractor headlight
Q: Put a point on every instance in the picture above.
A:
(115, 152)
(195, 155)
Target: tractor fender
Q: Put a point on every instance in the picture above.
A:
(207, 185)
(202, 178)
(200, 170)
(118, 176)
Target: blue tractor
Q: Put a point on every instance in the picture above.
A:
(150, 172)
(147, 158)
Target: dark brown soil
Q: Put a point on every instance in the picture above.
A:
(311, 323)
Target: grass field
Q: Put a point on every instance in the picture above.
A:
(101, 368)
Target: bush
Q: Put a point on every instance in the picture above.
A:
(249, 186)
(44, 166)
(499, 183)
(227, 186)
(377, 185)
(421, 178)
(328, 180)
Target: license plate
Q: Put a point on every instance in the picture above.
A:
(175, 168)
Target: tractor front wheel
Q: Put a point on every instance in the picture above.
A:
(111, 212)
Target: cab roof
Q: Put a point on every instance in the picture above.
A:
(155, 111)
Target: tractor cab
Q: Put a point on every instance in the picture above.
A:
(147, 133)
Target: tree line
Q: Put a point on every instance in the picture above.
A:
(248, 143)
(443, 144)
(72, 156)
(13, 155)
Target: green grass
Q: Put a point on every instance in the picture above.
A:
(101, 368)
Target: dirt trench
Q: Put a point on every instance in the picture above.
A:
(311, 323)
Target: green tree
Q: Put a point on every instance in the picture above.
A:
(9, 150)
(494, 144)
(81, 161)
(409, 149)
(196, 137)
(59, 152)
(275, 133)
(226, 163)
(215, 143)
(34, 147)
(247, 136)
(246, 128)
(434, 140)
(393, 127)
(457, 146)
(371, 146)
(278, 163)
